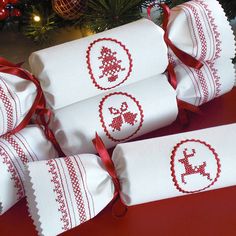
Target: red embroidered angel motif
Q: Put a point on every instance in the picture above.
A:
(122, 116)
(110, 64)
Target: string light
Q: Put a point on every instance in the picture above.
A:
(36, 18)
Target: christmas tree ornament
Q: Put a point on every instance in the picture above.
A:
(3, 3)
(13, 1)
(102, 62)
(117, 116)
(164, 167)
(16, 12)
(3, 14)
(69, 9)
(15, 151)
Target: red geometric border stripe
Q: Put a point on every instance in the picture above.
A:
(214, 27)
(8, 108)
(17, 148)
(14, 174)
(76, 189)
(58, 189)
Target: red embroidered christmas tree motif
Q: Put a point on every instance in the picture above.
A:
(110, 64)
(122, 116)
(190, 169)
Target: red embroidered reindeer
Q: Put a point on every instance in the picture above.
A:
(122, 116)
(110, 65)
(190, 169)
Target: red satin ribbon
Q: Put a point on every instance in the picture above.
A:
(172, 75)
(183, 108)
(14, 69)
(119, 208)
(183, 56)
(43, 118)
(38, 107)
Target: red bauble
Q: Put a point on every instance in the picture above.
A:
(69, 9)
(3, 14)
(16, 12)
(13, 1)
(3, 3)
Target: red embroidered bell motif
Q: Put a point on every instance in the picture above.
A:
(122, 115)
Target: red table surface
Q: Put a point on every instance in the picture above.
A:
(208, 213)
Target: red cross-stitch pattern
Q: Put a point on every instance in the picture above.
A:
(8, 108)
(190, 169)
(215, 78)
(77, 189)
(58, 189)
(14, 174)
(110, 64)
(204, 86)
(16, 147)
(200, 30)
(200, 170)
(122, 115)
(214, 28)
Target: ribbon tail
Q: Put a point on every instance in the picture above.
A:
(183, 56)
(119, 209)
(184, 108)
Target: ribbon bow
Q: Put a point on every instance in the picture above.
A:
(119, 208)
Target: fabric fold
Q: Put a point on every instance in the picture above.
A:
(201, 29)
(16, 98)
(15, 152)
(197, 87)
(76, 188)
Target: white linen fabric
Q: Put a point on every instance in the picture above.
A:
(86, 67)
(117, 116)
(176, 165)
(16, 98)
(201, 29)
(15, 151)
(200, 86)
(63, 193)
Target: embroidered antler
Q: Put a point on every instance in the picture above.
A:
(190, 169)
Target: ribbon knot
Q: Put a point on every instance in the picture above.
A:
(119, 208)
